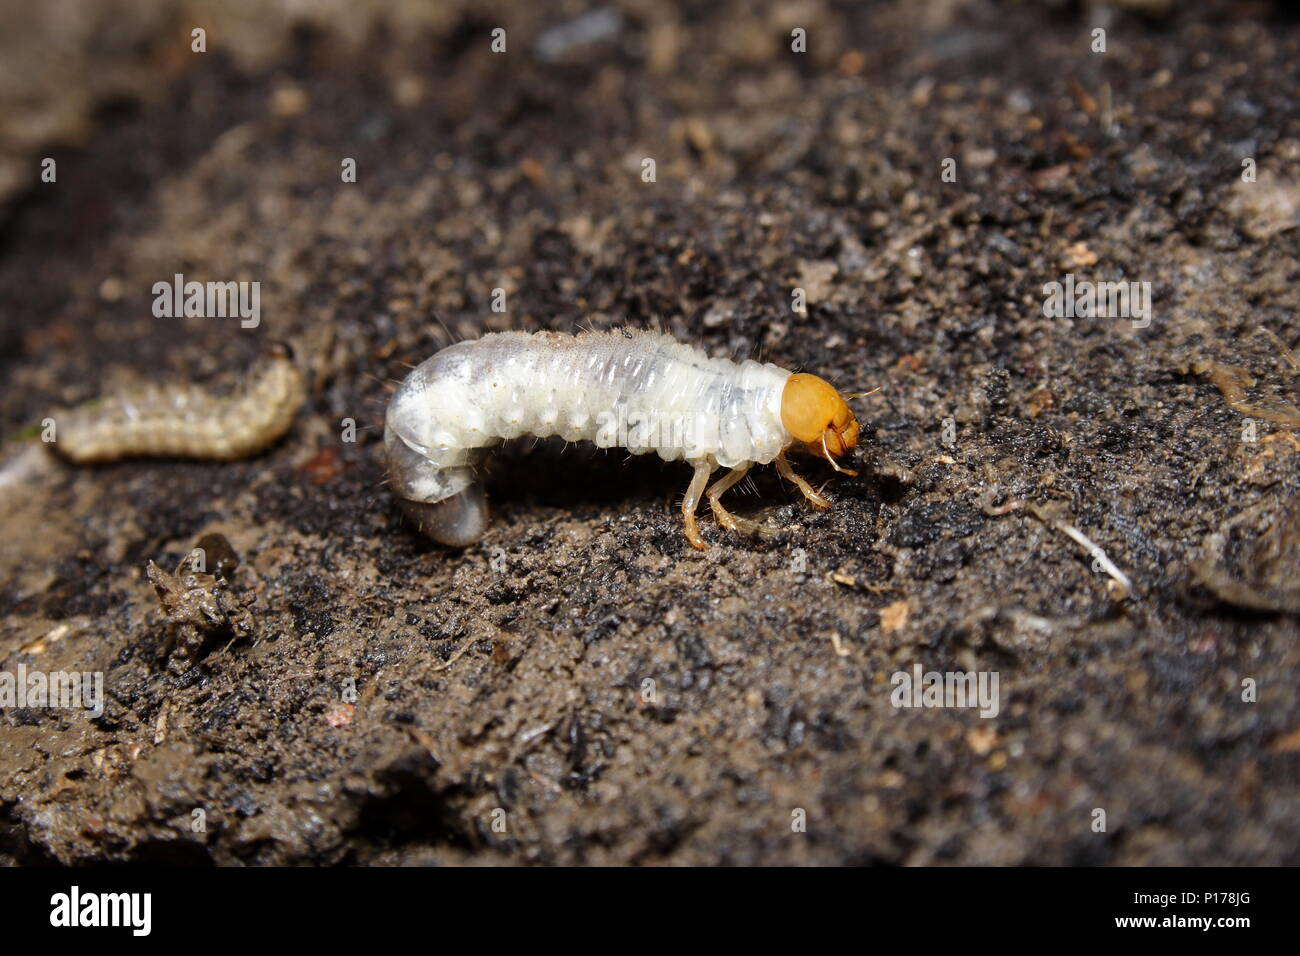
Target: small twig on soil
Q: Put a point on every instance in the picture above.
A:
(1094, 550)
(1282, 348)
(839, 577)
(1125, 586)
(454, 657)
(424, 740)
(997, 511)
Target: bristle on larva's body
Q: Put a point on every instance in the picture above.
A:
(642, 391)
(185, 421)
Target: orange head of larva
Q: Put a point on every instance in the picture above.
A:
(817, 415)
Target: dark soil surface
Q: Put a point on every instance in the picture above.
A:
(581, 686)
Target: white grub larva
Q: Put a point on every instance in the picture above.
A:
(642, 391)
(186, 421)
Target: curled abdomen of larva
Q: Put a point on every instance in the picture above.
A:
(448, 504)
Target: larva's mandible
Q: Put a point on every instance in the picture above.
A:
(186, 421)
(642, 391)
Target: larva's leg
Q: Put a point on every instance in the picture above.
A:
(725, 517)
(694, 492)
(809, 492)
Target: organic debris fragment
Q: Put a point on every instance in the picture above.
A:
(1233, 381)
(1282, 349)
(200, 608)
(894, 616)
(1256, 572)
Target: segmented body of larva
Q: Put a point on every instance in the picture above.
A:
(642, 391)
(185, 421)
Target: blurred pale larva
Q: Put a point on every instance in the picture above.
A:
(642, 391)
(186, 421)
